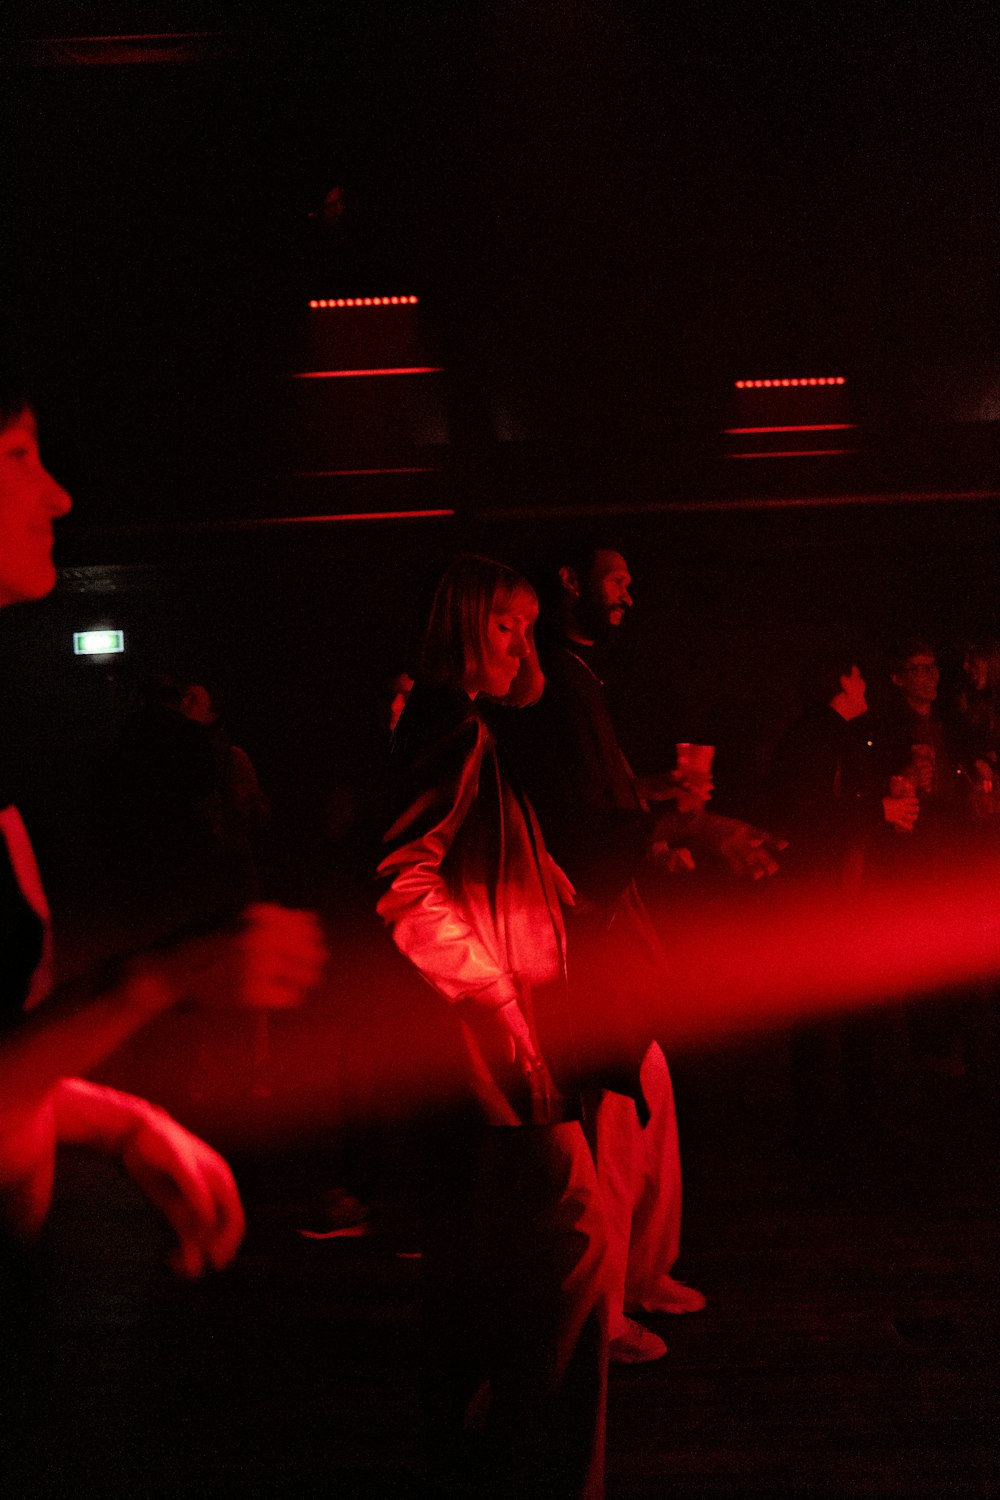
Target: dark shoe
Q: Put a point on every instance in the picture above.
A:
(339, 1215)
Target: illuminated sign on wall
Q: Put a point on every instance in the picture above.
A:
(98, 642)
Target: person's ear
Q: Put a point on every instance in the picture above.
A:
(569, 581)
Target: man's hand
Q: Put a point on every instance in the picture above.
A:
(691, 790)
(673, 861)
(192, 1187)
(901, 812)
(745, 849)
(748, 851)
(523, 1054)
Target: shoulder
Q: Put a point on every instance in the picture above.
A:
(437, 723)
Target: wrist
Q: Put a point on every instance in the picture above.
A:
(92, 1114)
(144, 987)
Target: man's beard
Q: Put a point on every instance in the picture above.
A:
(596, 622)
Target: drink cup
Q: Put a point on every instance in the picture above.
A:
(696, 758)
(694, 774)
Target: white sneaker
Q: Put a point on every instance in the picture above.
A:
(672, 1296)
(635, 1345)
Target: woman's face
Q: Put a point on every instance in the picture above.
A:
(30, 500)
(508, 641)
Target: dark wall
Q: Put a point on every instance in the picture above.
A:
(297, 635)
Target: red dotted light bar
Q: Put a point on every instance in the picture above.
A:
(756, 385)
(363, 301)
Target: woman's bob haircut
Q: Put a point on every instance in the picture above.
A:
(470, 590)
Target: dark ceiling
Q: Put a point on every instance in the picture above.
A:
(610, 213)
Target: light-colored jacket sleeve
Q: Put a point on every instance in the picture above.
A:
(431, 901)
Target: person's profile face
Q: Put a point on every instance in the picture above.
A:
(605, 594)
(30, 500)
(506, 643)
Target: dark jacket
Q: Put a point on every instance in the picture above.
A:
(472, 896)
(822, 793)
(568, 755)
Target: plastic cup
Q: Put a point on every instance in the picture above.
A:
(694, 773)
(696, 758)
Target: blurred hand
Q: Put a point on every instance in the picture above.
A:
(661, 787)
(901, 812)
(192, 1187)
(673, 861)
(695, 790)
(747, 850)
(523, 1054)
(691, 790)
(270, 963)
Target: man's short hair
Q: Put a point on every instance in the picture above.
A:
(576, 551)
(820, 681)
(912, 645)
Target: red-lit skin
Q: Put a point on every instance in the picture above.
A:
(850, 702)
(917, 680)
(30, 500)
(277, 956)
(507, 643)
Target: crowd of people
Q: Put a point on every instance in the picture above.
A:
(512, 845)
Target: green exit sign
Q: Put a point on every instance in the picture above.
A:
(98, 642)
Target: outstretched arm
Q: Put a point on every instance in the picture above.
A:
(271, 961)
(186, 1179)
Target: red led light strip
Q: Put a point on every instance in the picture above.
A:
(329, 302)
(357, 374)
(358, 515)
(798, 427)
(746, 385)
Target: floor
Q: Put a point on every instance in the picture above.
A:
(849, 1346)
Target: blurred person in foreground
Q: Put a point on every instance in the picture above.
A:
(515, 1252)
(273, 957)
